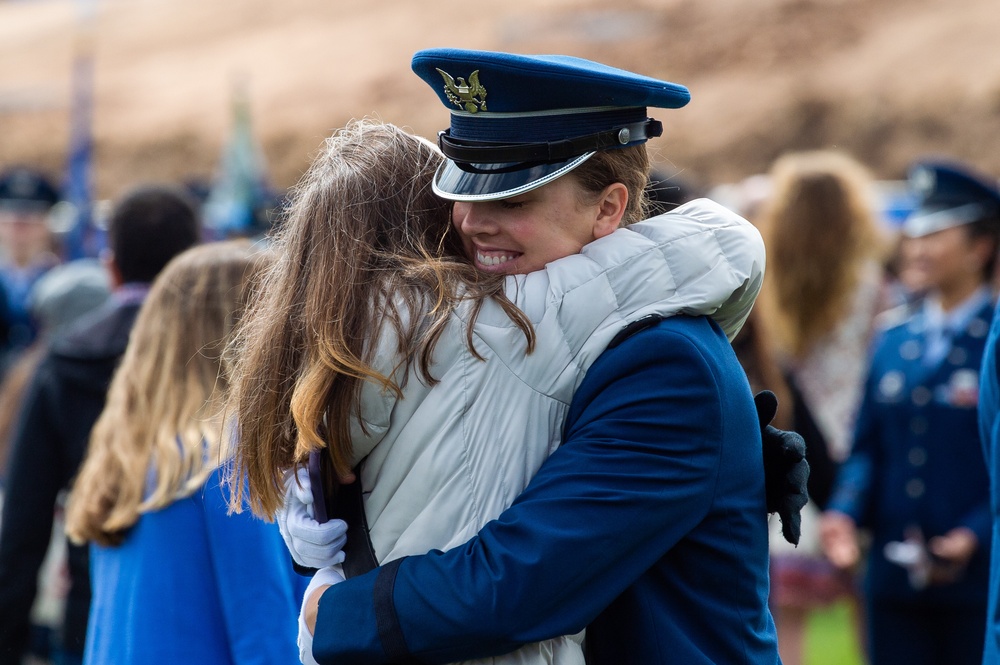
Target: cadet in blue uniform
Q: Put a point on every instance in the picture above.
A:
(915, 476)
(648, 525)
(26, 199)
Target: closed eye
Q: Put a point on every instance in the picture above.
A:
(511, 205)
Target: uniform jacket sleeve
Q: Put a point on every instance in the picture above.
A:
(852, 490)
(595, 517)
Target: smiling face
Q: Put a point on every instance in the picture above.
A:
(523, 233)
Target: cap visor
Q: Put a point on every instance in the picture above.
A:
(25, 206)
(490, 183)
(927, 220)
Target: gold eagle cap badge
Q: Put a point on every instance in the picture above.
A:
(469, 96)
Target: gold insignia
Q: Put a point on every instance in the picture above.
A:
(470, 96)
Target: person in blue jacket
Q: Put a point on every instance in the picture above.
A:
(648, 525)
(989, 431)
(915, 477)
(175, 577)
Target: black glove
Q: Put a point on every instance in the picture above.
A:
(786, 470)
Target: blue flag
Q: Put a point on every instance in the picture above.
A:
(240, 191)
(82, 240)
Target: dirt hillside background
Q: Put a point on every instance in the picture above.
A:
(888, 80)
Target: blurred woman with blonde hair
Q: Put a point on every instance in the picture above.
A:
(175, 578)
(824, 287)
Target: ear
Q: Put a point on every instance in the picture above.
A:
(611, 206)
(111, 266)
(984, 247)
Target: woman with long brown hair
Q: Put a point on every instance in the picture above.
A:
(175, 578)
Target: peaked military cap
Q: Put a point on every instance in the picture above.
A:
(26, 189)
(949, 195)
(521, 121)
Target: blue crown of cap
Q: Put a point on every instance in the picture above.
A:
(942, 185)
(24, 186)
(948, 195)
(543, 83)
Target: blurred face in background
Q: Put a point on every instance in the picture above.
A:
(24, 234)
(949, 261)
(911, 275)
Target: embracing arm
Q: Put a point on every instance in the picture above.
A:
(596, 516)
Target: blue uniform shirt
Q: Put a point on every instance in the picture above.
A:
(648, 526)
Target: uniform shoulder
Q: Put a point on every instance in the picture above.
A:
(657, 337)
(894, 318)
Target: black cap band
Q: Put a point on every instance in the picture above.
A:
(479, 152)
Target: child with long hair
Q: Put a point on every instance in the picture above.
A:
(376, 338)
(175, 578)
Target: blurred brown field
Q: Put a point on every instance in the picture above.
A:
(887, 80)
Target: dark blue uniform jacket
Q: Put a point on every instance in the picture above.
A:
(917, 459)
(647, 527)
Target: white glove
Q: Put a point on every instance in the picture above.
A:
(312, 544)
(324, 576)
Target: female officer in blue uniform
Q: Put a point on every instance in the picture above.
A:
(916, 476)
(648, 525)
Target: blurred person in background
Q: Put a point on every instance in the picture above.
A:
(989, 430)
(824, 287)
(147, 228)
(27, 250)
(915, 476)
(175, 578)
(60, 297)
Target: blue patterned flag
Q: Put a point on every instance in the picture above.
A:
(82, 239)
(240, 192)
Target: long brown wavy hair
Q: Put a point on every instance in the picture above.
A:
(364, 242)
(820, 229)
(164, 406)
